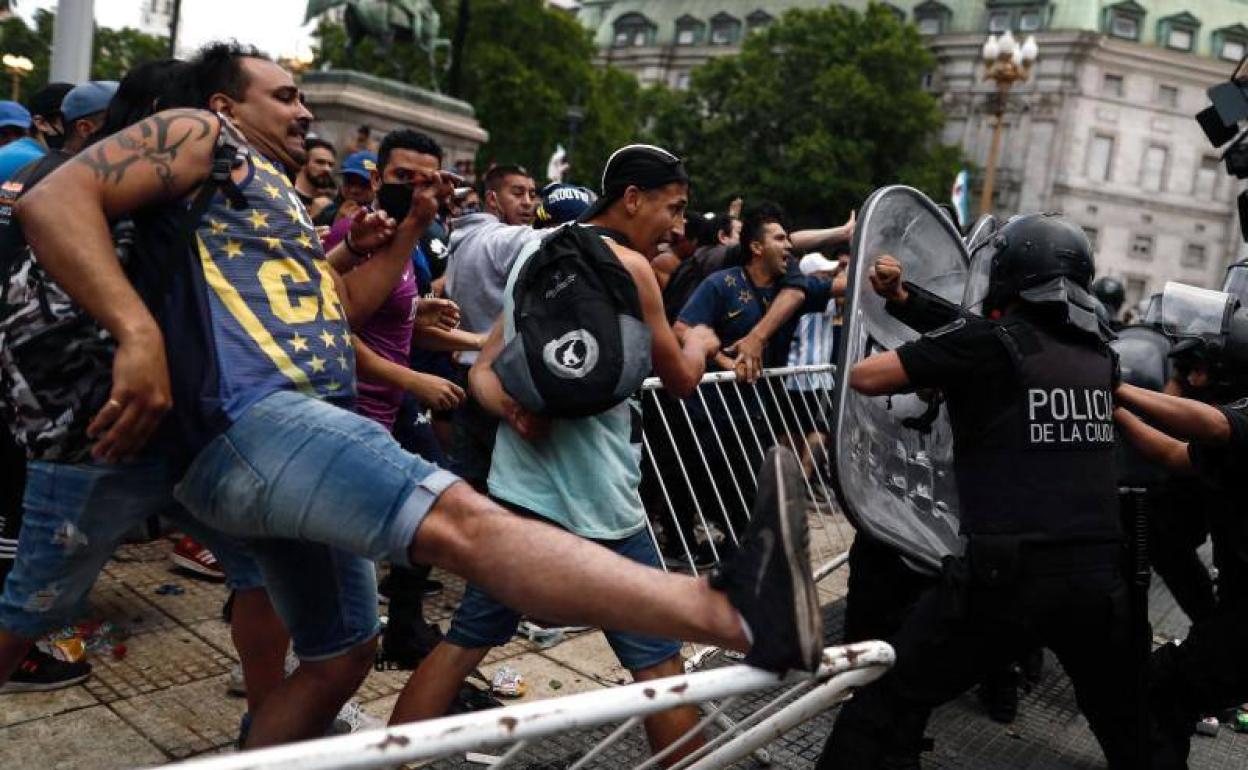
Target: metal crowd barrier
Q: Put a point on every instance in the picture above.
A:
(700, 462)
(522, 726)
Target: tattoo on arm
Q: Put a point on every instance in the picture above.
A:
(156, 141)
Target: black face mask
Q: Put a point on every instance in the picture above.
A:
(54, 141)
(395, 198)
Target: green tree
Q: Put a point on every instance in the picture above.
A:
(114, 51)
(817, 110)
(522, 66)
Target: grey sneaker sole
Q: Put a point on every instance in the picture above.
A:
(795, 532)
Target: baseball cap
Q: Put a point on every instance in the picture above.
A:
(361, 164)
(643, 166)
(563, 203)
(13, 114)
(88, 99)
(47, 100)
(815, 262)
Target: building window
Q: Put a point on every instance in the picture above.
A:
(1178, 31)
(1093, 234)
(1193, 255)
(1168, 96)
(998, 21)
(1030, 20)
(1142, 247)
(1229, 42)
(931, 17)
(688, 31)
(1100, 155)
(681, 81)
(757, 20)
(1123, 20)
(1153, 169)
(633, 29)
(1206, 178)
(725, 29)
(1111, 85)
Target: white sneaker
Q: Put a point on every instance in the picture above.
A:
(352, 719)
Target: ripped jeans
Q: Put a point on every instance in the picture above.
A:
(74, 516)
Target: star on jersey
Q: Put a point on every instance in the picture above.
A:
(268, 276)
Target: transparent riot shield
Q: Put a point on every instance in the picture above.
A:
(894, 454)
(979, 250)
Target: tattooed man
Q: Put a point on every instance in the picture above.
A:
(278, 457)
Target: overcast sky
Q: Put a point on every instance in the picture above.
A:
(275, 26)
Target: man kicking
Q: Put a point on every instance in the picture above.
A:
(286, 460)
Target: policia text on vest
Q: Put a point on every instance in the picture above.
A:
(1064, 416)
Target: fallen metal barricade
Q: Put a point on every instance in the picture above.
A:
(522, 726)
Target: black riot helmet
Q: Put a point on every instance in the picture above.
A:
(1044, 259)
(1210, 331)
(1110, 292)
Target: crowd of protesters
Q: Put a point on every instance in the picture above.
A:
(295, 356)
(310, 360)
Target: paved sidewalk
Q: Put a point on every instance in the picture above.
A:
(165, 700)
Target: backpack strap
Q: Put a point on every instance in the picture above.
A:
(219, 178)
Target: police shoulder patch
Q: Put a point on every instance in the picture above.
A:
(948, 328)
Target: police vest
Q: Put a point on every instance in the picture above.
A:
(1043, 466)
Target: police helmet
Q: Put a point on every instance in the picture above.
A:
(1110, 292)
(1033, 250)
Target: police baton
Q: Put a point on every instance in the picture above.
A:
(1134, 506)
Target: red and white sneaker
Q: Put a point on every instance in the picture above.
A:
(193, 557)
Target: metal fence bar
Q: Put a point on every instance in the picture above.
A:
(606, 743)
(697, 506)
(386, 747)
(645, 441)
(719, 391)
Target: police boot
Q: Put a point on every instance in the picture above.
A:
(1173, 718)
(999, 694)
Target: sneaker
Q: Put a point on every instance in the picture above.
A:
(193, 557)
(40, 672)
(352, 719)
(769, 580)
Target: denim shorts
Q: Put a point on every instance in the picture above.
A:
(481, 621)
(298, 468)
(74, 516)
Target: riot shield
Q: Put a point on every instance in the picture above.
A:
(979, 251)
(896, 482)
(1144, 360)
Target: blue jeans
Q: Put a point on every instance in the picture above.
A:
(74, 516)
(336, 489)
(482, 621)
(293, 466)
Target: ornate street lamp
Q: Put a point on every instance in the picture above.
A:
(1006, 63)
(18, 67)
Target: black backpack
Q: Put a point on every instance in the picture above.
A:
(580, 343)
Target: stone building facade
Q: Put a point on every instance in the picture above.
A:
(1103, 129)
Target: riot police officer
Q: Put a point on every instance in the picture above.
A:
(1111, 294)
(1029, 388)
(1204, 674)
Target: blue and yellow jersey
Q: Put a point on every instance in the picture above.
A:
(277, 323)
